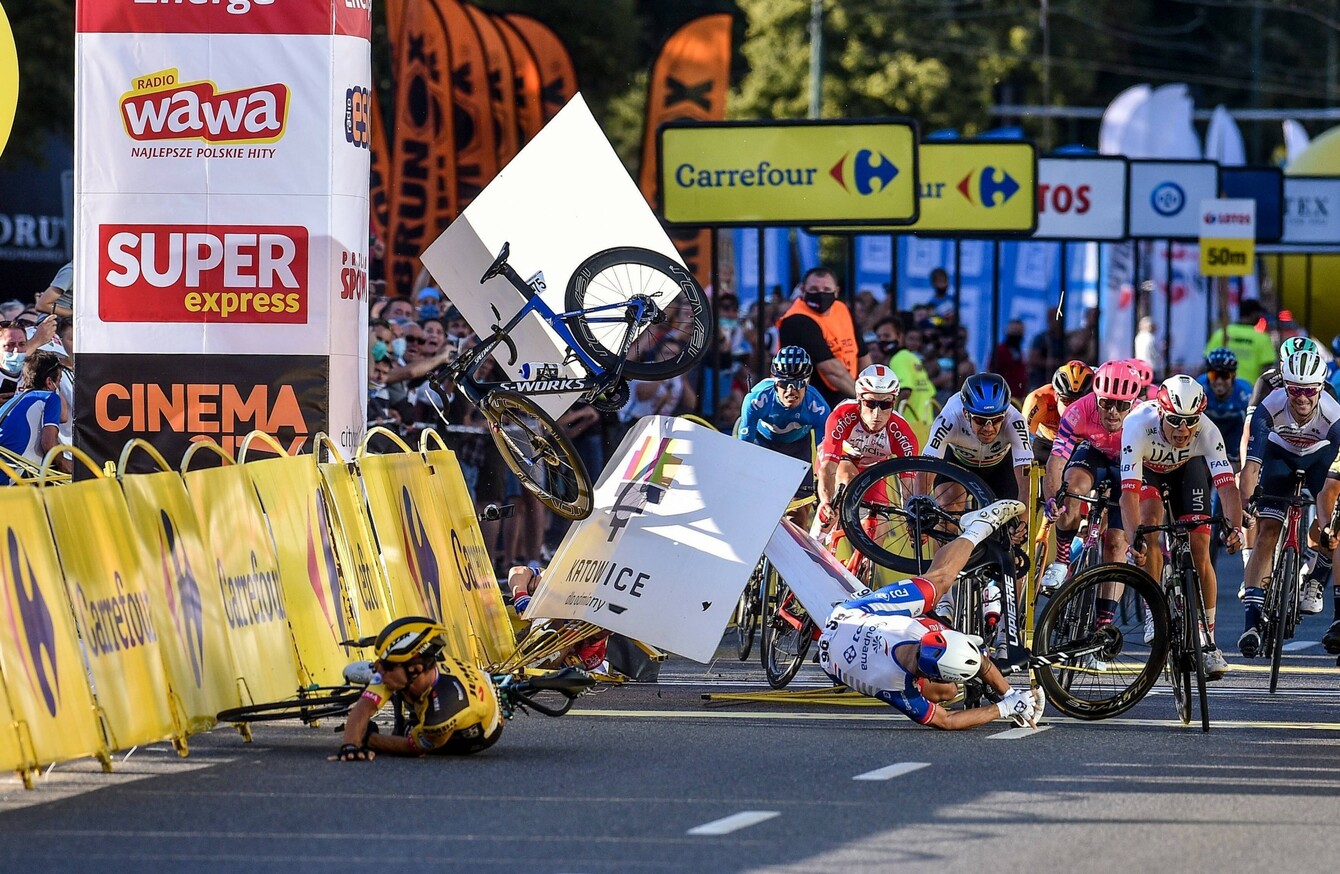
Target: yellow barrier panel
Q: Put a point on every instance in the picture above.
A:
(108, 589)
(290, 491)
(184, 593)
(471, 558)
(357, 552)
(11, 753)
(248, 573)
(44, 675)
(416, 543)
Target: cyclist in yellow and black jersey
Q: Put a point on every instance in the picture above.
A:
(453, 707)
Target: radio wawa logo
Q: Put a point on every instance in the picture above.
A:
(162, 108)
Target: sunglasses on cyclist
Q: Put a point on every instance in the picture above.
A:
(1182, 421)
(1223, 374)
(1303, 391)
(877, 405)
(987, 421)
(791, 384)
(1113, 405)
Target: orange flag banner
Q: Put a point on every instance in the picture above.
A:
(529, 107)
(558, 79)
(423, 169)
(476, 154)
(689, 80)
(502, 85)
(380, 182)
(395, 21)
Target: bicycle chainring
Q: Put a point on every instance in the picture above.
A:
(612, 399)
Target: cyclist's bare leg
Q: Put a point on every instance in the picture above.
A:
(1151, 513)
(1261, 565)
(951, 497)
(1078, 481)
(1209, 586)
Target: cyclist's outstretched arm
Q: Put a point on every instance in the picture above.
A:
(954, 720)
(356, 728)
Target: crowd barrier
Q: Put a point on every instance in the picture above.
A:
(135, 606)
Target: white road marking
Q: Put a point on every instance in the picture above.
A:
(1296, 645)
(734, 822)
(891, 771)
(1016, 733)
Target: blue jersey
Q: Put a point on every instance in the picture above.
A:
(22, 419)
(764, 420)
(1229, 414)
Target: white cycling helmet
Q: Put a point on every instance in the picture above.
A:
(950, 656)
(1303, 368)
(1181, 395)
(877, 379)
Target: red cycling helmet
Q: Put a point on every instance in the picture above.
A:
(1117, 380)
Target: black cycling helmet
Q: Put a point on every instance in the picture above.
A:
(408, 638)
(792, 362)
(985, 394)
(1221, 359)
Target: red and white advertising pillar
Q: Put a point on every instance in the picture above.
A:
(221, 199)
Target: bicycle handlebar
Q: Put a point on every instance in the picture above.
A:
(1180, 525)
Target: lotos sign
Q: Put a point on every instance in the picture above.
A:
(1227, 237)
(1081, 198)
(740, 173)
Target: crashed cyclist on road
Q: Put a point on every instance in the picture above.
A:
(884, 644)
(453, 706)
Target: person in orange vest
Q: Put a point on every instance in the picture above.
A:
(823, 326)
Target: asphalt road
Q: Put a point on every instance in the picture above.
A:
(642, 778)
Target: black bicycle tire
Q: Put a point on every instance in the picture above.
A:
(690, 292)
(848, 512)
(1135, 691)
(1077, 615)
(746, 614)
(1196, 649)
(1286, 575)
(306, 707)
(780, 672)
(497, 405)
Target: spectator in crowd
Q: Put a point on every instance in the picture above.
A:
(58, 299)
(1147, 343)
(1007, 359)
(723, 361)
(430, 303)
(30, 420)
(1082, 343)
(380, 337)
(864, 310)
(435, 332)
(1254, 349)
(15, 344)
(1047, 352)
(457, 326)
(398, 309)
(379, 400)
(823, 326)
(10, 309)
(942, 302)
(918, 393)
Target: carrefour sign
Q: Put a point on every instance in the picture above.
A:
(1164, 198)
(838, 173)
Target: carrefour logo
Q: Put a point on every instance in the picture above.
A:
(183, 595)
(991, 182)
(1167, 199)
(420, 555)
(869, 172)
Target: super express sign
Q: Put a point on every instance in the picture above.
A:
(975, 188)
(797, 173)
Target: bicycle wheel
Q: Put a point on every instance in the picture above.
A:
(746, 613)
(309, 705)
(540, 455)
(883, 521)
(1110, 666)
(785, 644)
(675, 341)
(1286, 581)
(1195, 620)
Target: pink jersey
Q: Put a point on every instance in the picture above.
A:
(1081, 424)
(845, 437)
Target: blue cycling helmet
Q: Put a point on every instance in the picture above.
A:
(985, 394)
(1335, 345)
(792, 362)
(1221, 359)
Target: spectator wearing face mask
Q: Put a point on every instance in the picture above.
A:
(430, 303)
(1008, 359)
(918, 393)
(822, 325)
(14, 346)
(30, 421)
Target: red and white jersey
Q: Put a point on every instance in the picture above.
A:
(1144, 446)
(846, 437)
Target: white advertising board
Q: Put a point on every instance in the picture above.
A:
(818, 579)
(1165, 198)
(1311, 210)
(682, 514)
(563, 198)
(1081, 199)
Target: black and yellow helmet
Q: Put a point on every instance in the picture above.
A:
(409, 638)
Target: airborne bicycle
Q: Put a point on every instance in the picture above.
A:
(630, 313)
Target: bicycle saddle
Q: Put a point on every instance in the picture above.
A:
(498, 264)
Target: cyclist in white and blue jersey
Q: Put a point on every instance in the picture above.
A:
(785, 413)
